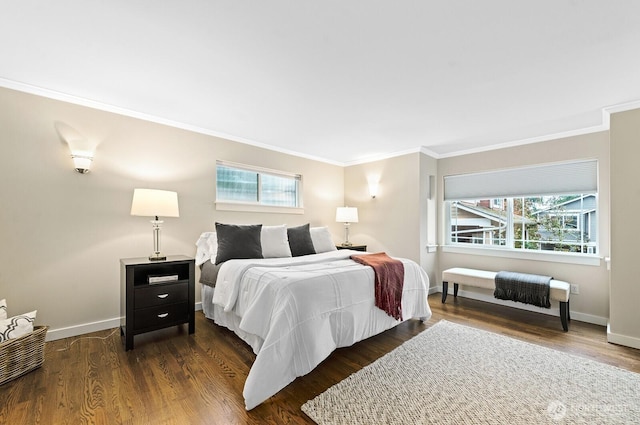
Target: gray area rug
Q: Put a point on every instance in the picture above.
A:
(454, 374)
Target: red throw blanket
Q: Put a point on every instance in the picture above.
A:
(389, 280)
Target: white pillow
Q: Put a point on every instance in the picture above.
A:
(17, 326)
(3, 309)
(322, 240)
(275, 243)
(207, 247)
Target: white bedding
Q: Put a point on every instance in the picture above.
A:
(295, 311)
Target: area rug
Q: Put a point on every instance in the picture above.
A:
(454, 374)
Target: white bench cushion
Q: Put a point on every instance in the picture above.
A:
(558, 290)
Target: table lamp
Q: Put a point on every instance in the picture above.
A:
(346, 215)
(155, 203)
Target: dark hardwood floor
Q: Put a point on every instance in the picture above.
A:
(173, 378)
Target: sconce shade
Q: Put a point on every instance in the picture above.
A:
(82, 163)
(82, 149)
(373, 189)
(154, 203)
(347, 215)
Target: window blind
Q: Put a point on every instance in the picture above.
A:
(255, 169)
(256, 185)
(545, 179)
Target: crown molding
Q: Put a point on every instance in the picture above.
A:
(76, 100)
(52, 94)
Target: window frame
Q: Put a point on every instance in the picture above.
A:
(259, 206)
(510, 251)
(579, 175)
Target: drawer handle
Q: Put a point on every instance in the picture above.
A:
(163, 296)
(163, 315)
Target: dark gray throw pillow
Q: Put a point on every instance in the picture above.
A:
(300, 241)
(238, 241)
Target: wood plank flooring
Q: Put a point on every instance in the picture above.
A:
(174, 378)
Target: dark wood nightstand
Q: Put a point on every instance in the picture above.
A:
(354, 247)
(156, 295)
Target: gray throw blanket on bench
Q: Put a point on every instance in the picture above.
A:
(523, 287)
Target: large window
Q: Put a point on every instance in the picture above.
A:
(258, 186)
(545, 223)
(551, 207)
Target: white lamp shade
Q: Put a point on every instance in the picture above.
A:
(82, 163)
(152, 202)
(347, 215)
(373, 189)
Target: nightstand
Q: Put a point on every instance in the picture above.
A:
(354, 247)
(156, 295)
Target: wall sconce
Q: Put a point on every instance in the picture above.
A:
(82, 149)
(373, 189)
(82, 161)
(374, 182)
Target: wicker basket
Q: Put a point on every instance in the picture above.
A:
(21, 355)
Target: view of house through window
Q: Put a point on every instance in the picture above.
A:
(253, 185)
(564, 223)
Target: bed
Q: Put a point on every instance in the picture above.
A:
(294, 311)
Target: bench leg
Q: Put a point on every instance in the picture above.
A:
(445, 289)
(564, 315)
(455, 290)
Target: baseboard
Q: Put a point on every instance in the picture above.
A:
(86, 328)
(627, 341)
(554, 311)
(589, 318)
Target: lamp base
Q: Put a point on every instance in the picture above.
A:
(347, 243)
(157, 257)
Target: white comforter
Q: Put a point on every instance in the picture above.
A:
(303, 308)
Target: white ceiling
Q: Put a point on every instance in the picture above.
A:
(339, 80)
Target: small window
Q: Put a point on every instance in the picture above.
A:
(246, 184)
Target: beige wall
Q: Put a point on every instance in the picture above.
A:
(63, 233)
(592, 304)
(391, 221)
(624, 326)
(400, 220)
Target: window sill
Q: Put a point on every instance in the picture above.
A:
(242, 207)
(557, 257)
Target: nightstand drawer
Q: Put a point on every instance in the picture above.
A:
(161, 316)
(153, 295)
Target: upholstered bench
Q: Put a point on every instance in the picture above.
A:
(558, 291)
